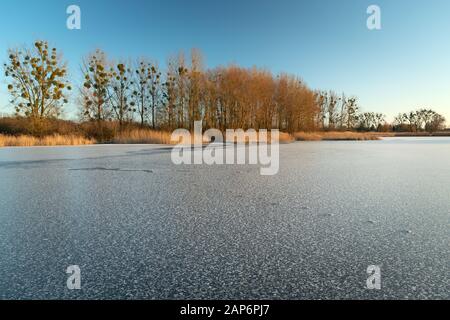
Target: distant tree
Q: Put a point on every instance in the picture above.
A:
(370, 121)
(436, 123)
(147, 90)
(120, 93)
(322, 101)
(141, 90)
(94, 93)
(426, 115)
(416, 121)
(352, 110)
(332, 112)
(379, 120)
(420, 120)
(155, 91)
(37, 81)
(195, 86)
(169, 100)
(180, 76)
(399, 123)
(342, 112)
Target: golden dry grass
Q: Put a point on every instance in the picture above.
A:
(53, 140)
(335, 135)
(143, 136)
(286, 138)
(282, 138)
(307, 136)
(383, 134)
(349, 136)
(148, 136)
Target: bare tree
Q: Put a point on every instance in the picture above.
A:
(147, 90)
(120, 93)
(352, 110)
(169, 98)
(332, 113)
(38, 81)
(436, 123)
(195, 84)
(94, 93)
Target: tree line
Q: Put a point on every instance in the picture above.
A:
(139, 92)
(420, 120)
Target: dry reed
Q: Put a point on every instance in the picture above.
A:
(53, 140)
(335, 136)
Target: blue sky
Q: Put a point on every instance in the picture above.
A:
(405, 65)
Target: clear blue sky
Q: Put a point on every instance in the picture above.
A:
(405, 65)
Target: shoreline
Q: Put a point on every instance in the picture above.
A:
(162, 138)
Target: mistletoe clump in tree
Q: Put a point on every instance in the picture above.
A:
(37, 81)
(169, 99)
(95, 88)
(120, 94)
(147, 91)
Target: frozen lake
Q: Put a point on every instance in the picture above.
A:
(140, 227)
